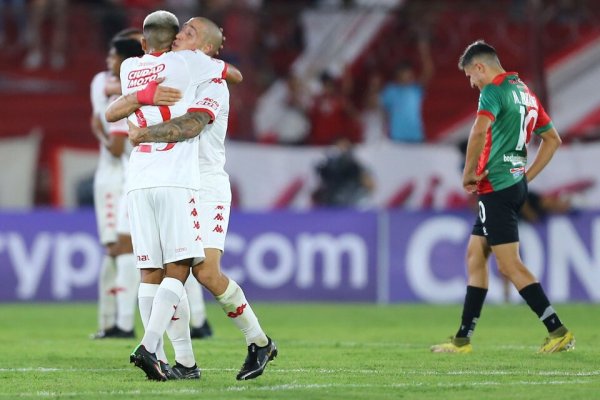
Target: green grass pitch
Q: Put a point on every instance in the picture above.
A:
(326, 351)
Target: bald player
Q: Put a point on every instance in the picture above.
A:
(208, 116)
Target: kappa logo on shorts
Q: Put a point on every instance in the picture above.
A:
(219, 217)
(196, 225)
(218, 229)
(238, 311)
(219, 208)
(198, 239)
(194, 213)
(192, 201)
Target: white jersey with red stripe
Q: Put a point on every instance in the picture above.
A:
(166, 164)
(213, 97)
(109, 170)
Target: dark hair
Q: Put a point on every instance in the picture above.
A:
(126, 33)
(127, 48)
(404, 65)
(476, 49)
(325, 77)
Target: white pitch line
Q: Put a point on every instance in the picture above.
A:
(292, 386)
(336, 371)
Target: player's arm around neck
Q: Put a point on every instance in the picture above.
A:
(177, 129)
(474, 150)
(152, 94)
(551, 141)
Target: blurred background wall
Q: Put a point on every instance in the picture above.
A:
(314, 71)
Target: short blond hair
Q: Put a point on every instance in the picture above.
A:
(160, 28)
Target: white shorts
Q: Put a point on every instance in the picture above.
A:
(214, 221)
(106, 203)
(123, 217)
(164, 225)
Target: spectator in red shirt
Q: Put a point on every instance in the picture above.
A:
(332, 116)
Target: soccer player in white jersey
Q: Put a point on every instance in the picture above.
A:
(209, 115)
(114, 300)
(163, 179)
(128, 278)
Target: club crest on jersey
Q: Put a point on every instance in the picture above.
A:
(142, 76)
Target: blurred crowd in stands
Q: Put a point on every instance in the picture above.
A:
(361, 102)
(388, 93)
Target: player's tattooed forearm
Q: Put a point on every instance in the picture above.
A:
(178, 129)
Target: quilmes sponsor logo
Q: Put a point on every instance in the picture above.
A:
(516, 172)
(140, 77)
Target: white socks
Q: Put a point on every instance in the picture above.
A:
(178, 331)
(165, 303)
(236, 307)
(146, 294)
(107, 306)
(127, 281)
(196, 302)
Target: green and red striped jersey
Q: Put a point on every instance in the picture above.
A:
(515, 112)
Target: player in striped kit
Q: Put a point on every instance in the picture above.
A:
(496, 158)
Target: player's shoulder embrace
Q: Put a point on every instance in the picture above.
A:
(191, 53)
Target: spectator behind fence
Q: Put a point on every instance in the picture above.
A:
(402, 98)
(18, 12)
(332, 115)
(290, 124)
(56, 11)
(343, 180)
(372, 116)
